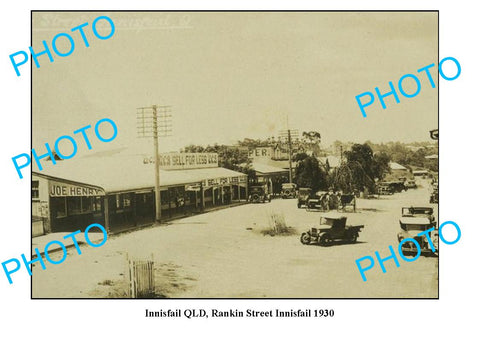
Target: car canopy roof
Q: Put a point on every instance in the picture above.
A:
(419, 210)
(288, 185)
(333, 215)
(414, 220)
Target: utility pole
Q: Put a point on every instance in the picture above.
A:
(290, 156)
(155, 130)
(288, 134)
(158, 202)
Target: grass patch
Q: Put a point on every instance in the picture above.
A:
(277, 226)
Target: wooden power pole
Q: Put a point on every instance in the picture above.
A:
(161, 127)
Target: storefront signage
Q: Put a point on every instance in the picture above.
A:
(260, 152)
(195, 187)
(57, 189)
(224, 180)
(180, 160)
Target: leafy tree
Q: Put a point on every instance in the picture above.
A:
(381, 164)
(360, 169)
(309, 174)
(298, 157)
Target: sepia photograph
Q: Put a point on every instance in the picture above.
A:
(234, 154)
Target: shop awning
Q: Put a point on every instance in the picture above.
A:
(128, 173)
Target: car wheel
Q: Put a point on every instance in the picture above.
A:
(353, 238)
(325, 240)
(305, 238)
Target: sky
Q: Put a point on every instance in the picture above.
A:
(228, 76)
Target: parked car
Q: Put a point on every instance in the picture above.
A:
(258, 194)
(332, 229)
(410, 184)
(419, 212)
(384, 189)
(303, 196)
(289, 190)
(398, 186)
(410, 228)
(318, 201)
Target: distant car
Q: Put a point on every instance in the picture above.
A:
(258, 194)
(410, 228)
(303, 196)
(332, 228)
(318, 201)
(398, 186)
(289, 190)
(389, 188)
(384, 189)
(410, 184)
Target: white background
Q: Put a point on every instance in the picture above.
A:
(453, 315)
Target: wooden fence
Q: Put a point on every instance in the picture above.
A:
(141, 277)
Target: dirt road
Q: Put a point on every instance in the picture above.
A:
(224, 254)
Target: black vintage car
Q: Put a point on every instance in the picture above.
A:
(289, 190)
(414, 221)
(303, 196)
(318, 201)
(419, 212)
(384, 189)
(258, 194)
(410, 228)
(332, 229)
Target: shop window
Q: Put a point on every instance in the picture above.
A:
(118, 204)
(97, 203)
(126, 201)
(123, 202)
(35, 191)
(164, 197)
(74, 205)
(59, 206)
(87, 204)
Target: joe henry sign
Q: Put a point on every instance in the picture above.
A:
(57, 189)
(175, 161)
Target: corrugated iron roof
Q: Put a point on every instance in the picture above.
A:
(396, 166)
(124, 171)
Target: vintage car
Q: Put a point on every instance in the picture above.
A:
(420, 212)
(318, 201)
(258, 194)
(397, 186)
(384, 189)
(410, 184)
(434, 194)
(332, 229)
(410, 228)
(289, 190)
(303, 196)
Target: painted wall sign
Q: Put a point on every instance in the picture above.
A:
(260, 152)
(180, 160)
(57, 189)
